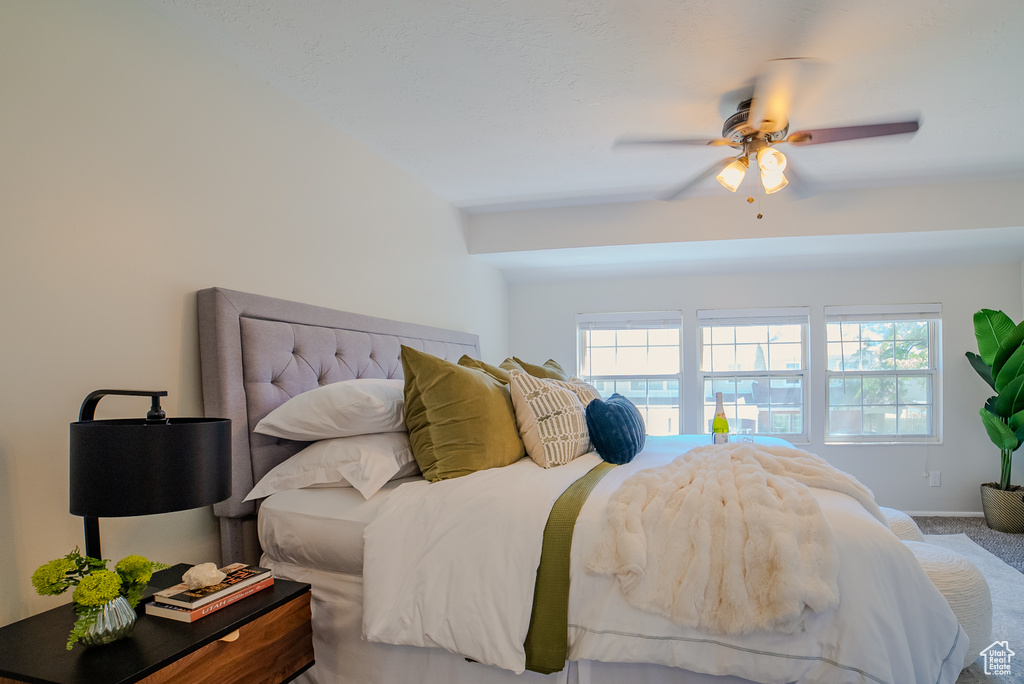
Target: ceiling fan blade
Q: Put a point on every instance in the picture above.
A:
(680, 190)
(773, 95)
(630, 140)
(828, 135)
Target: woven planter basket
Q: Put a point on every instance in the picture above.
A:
(1004, 509)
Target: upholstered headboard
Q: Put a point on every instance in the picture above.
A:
(257, 352)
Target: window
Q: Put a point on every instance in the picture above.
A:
(757, 359)
(638, 356)
(883, 377)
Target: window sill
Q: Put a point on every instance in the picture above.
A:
(792, 439)
(916, 442)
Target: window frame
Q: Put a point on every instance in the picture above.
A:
(895, 313)
(627, 321)
(709, 318)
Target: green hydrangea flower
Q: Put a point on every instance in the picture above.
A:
(52, 578)
(98, 588)
(95, 584)
(135, 569)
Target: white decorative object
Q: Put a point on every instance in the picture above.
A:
(964, 588)
(202, 575)
(902, 525)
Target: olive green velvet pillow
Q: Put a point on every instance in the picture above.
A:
(499, 374)
(460, 419)
(510, 364)
(550, 369)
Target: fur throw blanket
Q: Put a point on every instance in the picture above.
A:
(727, 539)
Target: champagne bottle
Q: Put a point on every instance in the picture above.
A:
(719, 426)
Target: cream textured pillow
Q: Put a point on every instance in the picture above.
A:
(365, 462)
(341, 409)
(550, 417)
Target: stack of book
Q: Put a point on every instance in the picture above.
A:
(188, 605)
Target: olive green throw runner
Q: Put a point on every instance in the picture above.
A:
(547, 641)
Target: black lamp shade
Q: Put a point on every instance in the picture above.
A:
(139, 467)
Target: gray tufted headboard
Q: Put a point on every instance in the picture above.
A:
(257, 352)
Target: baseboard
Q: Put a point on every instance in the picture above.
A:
(947, 514)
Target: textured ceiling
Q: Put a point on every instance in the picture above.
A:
(517, 102)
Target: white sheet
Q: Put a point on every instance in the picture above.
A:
(320, 528)
(444, 567)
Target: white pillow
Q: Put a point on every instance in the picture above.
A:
(365, 462)
(550, 417)
(341, 409)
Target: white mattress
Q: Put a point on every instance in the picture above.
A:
(320, 528)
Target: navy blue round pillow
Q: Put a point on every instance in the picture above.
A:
(616, 428)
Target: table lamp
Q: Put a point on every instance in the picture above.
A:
(142, 466)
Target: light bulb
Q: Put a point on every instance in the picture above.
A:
(732, 175)
(771, 160)
(773, 181)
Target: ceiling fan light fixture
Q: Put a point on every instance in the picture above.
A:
(771, 161)
(732, 175)
(773, 181)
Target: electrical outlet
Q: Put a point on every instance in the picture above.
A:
(935, 479)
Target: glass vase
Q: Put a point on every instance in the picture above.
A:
(115, 621)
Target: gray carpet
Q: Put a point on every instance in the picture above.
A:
(1008, 547)
(1007, 588)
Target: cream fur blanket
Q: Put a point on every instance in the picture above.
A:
(727, 539)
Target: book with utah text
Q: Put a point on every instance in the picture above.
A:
(186, 615)
(238, 576)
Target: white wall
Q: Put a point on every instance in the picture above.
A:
(137, 167)
(541, 325)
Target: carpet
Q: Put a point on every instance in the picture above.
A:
(1007, 587)
(1008, 547)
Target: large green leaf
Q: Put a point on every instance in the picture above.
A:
(1007, 346)
(990, 327)
(998, 431)
(1010, 370)
(990, 404)
(984, 370)
(1016, 423)
(1011, 399)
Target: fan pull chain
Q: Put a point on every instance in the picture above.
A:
(750, 198)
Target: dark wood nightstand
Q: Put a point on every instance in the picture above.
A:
(265, 638)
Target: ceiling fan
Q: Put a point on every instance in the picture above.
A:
(760, 123)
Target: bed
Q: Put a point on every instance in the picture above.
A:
(258, 352)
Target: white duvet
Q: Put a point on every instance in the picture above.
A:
(452, 564)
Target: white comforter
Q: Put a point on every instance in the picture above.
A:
(452, 564)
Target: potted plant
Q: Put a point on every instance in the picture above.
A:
(104, 600)
(1000, 362)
